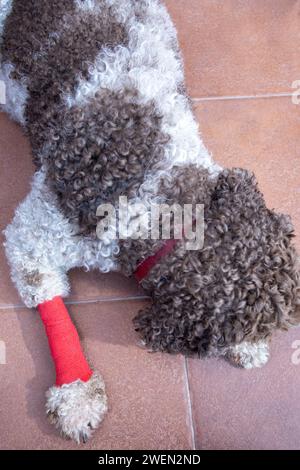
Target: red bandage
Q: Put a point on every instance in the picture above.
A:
(70, 363)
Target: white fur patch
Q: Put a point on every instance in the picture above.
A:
(249, 355)
(16, 94)
(42, 245)
(87, 5)
(77, 408)
(5, 8)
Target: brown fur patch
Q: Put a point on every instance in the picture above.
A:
(28, 29)
(33, 278)
(75, 37)
(101, 151)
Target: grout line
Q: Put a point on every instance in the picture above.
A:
(107, 299)
(190, 408)
(83, 302)
(12, 306)
(242, 97)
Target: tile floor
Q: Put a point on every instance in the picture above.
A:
(241, 58)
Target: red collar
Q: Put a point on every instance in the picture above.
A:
(145, 266)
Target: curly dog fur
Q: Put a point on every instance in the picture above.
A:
(98, 86)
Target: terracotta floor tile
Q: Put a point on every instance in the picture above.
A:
(257, 409)
(94, 285)
(16, 171)
(147, 392)
(263, 136)
(239, 47)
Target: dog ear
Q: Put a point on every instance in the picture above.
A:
(257, 243)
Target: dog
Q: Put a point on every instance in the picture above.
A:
(98, 86)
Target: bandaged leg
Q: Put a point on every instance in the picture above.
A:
(70, 363)
(41, 247)
(77, 403)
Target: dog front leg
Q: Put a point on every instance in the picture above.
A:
(77, 403)
(41, 247)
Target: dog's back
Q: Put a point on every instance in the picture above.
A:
(102, 97)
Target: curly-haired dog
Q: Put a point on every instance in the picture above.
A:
(99, 87)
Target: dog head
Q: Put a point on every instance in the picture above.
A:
(242, 285)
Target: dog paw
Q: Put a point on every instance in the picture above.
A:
(249, 355)
(77, 408)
